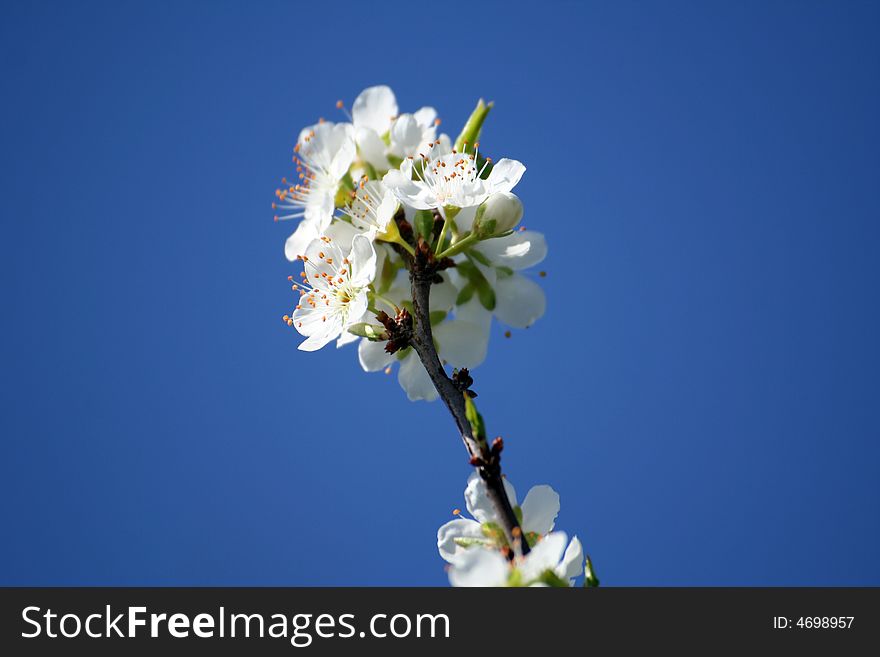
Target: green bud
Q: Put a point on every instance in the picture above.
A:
(590, 579)
(471, 131)
(504, 209)
(368, 331)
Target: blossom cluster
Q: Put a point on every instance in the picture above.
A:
(479, 554)
(365, 192)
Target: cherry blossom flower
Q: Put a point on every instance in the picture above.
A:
(334, 294)
(553, 561)
(323, 154)
(539, 511)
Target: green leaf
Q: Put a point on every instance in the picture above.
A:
(486, 295)
(473, 416)
(471, 131)
(424, 223)
(479, 257)
(437, 316)
(517, 511)
(465, 295)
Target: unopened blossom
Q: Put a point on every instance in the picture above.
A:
(323, 154)
(539, 511)
(552, 561)
(333, 295)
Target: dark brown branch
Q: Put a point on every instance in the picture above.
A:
(486, 459)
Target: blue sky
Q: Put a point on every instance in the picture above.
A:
(702, 391)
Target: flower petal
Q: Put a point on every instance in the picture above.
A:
(505, 174)
(457, 529)
(519, 301)
(372, 356)
(414, 379)
(540, 509)
(572, 561)
(443, 294)
(461, 344)
(406, 135)
(299, 241)
(479, 568)
(411, 192)
(544, 556)
(372, 148)
(426, 117)
(362, 259)
(374, 108)
(520, 250)
(476, 497)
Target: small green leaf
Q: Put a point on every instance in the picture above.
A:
(437, 316)
(517, 511)
(479, 257)
(465, 295)
(473, 416)
(424, 223)
(487, 295)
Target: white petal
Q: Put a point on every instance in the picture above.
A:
(572, 561)
(362, 261)
(346, 151)
(505, 174)
(414, 379)
(520, 250)
(297, 243)
(406, 135)
(544, 556)
(345, 338)
(326, 332)
(479, 568)
(342, 233)
(464, 220)
(540, 509)
(473, 312)
(372, 355)
(519, 301)
(408, 191)
(372, 148)
(374, 108)
(476, 498)
(426, 116)
(461, 344)
(443, 294)
(458, 528)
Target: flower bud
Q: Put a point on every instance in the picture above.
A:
(499, 213)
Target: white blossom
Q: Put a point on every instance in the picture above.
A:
(323, 154)
(334, 294)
